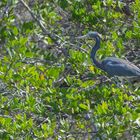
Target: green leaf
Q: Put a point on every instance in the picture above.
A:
(15, 31)
(83, 106)
(44, 126)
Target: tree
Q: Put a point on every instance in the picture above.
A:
(49, 86)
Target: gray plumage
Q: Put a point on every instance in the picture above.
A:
(119, 67)
(112, 65)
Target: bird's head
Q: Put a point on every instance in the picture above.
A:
(90, 34)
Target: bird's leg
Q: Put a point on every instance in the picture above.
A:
(129, 84)
(126, 88)
(103, 79)
(131, 88)
(120, 83)
(137, 87)
(123, 85)
(117, 81)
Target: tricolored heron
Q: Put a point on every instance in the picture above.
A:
(112, 65)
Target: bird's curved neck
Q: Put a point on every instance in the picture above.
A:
(93, 53)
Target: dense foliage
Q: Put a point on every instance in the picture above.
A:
(49, 88)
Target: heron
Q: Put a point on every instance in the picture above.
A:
(113, 66)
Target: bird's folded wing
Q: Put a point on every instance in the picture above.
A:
(120, 69)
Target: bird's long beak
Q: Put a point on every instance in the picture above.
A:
(87, 36)
(101, 37)
(82, 37)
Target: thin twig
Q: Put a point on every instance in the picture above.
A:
(39, 22)
(52, 36)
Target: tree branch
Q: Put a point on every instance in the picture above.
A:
(40, 23)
